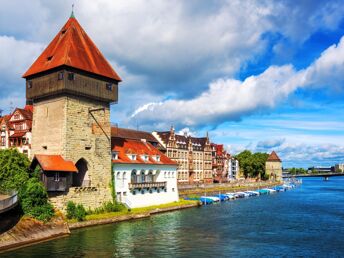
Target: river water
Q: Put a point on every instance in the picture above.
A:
(304, 222)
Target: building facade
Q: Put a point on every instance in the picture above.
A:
(15, 130)
(339, 168)
(233, 168)
(192, 154)
(143, 176)
(71, 86)
(273, 167)
(219, 163)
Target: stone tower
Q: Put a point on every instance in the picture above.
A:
(71, 86)
(273, 166)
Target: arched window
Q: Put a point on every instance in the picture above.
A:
(81, 178)
(133, 176)
(149, 177)
(118, 176)
(143, 176)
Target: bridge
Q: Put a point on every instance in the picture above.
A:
(326, 176)
(8, 201)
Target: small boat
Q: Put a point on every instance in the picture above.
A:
(230, 196)
(205, 200)
(252, 193)
(241, 194)
(263, 191)
(279, 188)
(215, 199)
(223, 197)
(270, 190)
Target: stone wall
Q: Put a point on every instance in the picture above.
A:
(66, 127)
(274, 168)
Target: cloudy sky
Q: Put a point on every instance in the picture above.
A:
(258, 75)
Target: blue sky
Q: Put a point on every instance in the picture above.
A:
(258, 75)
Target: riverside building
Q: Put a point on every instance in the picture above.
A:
(273, 167)
(71, 86)
(15, 130)
(143, 176)
(192, 154)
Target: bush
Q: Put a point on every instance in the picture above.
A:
(71, 210)
(74, 211)
(108, 207)
(34, 200)
(80, 212)
(13, 170)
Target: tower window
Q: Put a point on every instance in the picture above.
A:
(71, 76)
(109, 86)
(60, 76)
(29, 84)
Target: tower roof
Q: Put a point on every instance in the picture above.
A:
(74, 48)
(274, 157)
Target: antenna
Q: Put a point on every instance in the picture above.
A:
(72, 14)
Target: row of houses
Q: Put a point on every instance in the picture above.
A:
(198, 160)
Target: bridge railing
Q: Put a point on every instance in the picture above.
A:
(9, 202)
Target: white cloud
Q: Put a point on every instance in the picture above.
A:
(229, 99)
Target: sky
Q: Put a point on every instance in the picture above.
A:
(258, 75)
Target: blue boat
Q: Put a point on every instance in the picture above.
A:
(263, 191)
(223, 197)
(205, 200)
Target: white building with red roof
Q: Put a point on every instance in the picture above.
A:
(15, 130)
(143, 175)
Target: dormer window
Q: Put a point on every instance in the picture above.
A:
(115, 155)
(49, 58)
(132, 156)
(157, 158)
(144, 157)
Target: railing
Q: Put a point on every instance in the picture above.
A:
(147, 185)
(9, 202)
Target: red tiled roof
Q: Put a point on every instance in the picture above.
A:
(54, 163)
(274, 157)
(73, 47)
(29, 108)
(17, 135)
(132, 134)
(198, 141)
(138, 147)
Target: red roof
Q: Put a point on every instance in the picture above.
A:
(54, 163)
(138, 147)
(73, 47)
(17, 135)
(274, 157)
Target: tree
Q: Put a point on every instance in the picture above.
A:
(252, 165)
(13, 169)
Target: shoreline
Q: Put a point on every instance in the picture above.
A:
(130, 216)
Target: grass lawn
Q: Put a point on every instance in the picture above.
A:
(134, 211)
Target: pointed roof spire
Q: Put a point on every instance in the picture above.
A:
(72, 14)
(274, 157)
(74, 48)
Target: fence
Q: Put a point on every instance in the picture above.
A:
(9, 202)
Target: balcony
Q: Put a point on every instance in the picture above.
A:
(147, 185)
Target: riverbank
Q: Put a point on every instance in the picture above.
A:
(136, 213)
(215, 189)
(30, 231)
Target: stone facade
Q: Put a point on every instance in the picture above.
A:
(273, 167)
(192, 154)
(64, 126)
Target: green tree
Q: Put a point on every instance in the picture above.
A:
(13, 169)
(252, 164)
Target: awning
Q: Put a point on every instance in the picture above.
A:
(53, 163)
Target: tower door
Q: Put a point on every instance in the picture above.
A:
(81, 178)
